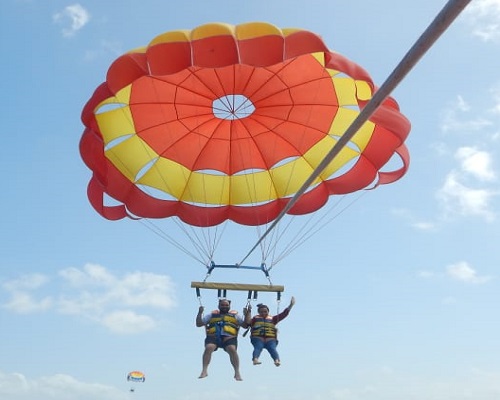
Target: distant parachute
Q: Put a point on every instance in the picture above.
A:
(134, 377)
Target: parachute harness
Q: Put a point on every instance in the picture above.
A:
(252, 290)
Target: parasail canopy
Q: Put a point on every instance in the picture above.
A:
(136, 376)
(226, 122)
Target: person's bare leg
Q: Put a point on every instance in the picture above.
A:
(207, 356)
(235, 361)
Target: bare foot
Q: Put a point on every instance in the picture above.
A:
(203, 375)
(238, 377)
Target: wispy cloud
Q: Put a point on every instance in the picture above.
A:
(414, 222)
(21, 298)
(477, 163)
(459, 116)
(55, 387)
(460, 271)
(458, 199)
(425, 274)
(120, 303)
(463, 272)
(24, 282)
(484, 18)
(458, 196)
(26, 303)
(128, 322)
(495, 95)
(106, 47)
(133, 289)
(469, 188)
(75, 16)
(389, 382)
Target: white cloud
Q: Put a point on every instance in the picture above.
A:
(462, 105)
(465, 190)
(455, 118)
(417, 224)
(21, 300)
(465, 384)
(25, 303)
(93, 292)
(459, 199)
(469, 189)
(484, 18)
(460, 271)
(76, 15)
(463, 272)
(30, 281)
(440, 148)
(476, 162)
(133, 289)
(126, 322)
(90, 275)
(424, 225)
(15, 386)
(106, 48)
(460, 117)
(495, 95)
(424, 274)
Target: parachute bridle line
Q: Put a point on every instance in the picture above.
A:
(436, 28)
(170, 239)
(310, 228)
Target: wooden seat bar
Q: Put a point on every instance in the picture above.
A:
(238, 286)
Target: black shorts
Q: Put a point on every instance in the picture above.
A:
(222, 343)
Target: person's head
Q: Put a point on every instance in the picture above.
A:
(224, 306)
(263, 310)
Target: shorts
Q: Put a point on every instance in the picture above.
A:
(233, 340)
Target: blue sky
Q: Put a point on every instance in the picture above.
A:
(396, 298)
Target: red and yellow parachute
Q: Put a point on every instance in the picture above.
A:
(226, 122)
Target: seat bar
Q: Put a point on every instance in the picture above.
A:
(238, 286)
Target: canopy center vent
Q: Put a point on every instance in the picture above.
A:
(232, 106)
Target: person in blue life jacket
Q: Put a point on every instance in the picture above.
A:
(222, 328)
(264, 334)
